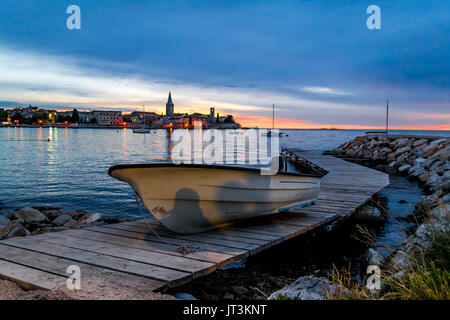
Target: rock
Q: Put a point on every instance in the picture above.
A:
(419, 161)
(90, 218)
(48, 229)
(392, 164)
(420, 142)
(441, 212)
(30, 215)
(184, 296)
(18, 231)
(404, 168)
(435, 142)
(402, 150)
(13, 230)
(369, 214)
(402, 143)
(373, 257)
(62, 220)
(73, 224)
(307, 288)
(4, 221)
(446, 199)
(429, 150)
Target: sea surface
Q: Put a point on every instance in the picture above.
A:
(68, 168)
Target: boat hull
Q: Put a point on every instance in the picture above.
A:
(190, 199)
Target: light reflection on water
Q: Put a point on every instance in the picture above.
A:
(70, 170)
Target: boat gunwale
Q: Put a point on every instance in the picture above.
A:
(201, 166)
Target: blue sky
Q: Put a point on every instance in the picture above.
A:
(316, 60)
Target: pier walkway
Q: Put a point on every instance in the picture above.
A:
(128, 254)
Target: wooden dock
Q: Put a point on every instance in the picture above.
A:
(128, 254)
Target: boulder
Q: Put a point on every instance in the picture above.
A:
(402, 150)
(30, 215)
(420, 142)
(307, 288)
(4, 221)
(62, 220)
(436, 142)
(419, 161)
(429, 150)
(402, 143)
(73, 224)
(404, 168)
(13, 230)
(373, 257)
(369, 214)
(446, 199)
(90, 218)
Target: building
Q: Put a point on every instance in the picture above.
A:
(169, 106)
(108, 118)
(142, 117)
(85, 116)
(212, 117)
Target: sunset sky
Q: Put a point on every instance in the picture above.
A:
(315, 60)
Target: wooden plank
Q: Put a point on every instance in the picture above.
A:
(211, 234)
(201, 255)
(237, 253)
(195, 267)
(171, 277)
(194, 237)
(58, 266)
(29, 278)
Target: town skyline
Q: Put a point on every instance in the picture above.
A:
(317, 62)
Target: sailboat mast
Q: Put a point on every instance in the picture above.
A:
(387, 116)
(273, 116)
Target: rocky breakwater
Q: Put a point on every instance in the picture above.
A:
(425, 159)
(37, 220)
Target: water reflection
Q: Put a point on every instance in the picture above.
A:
(72, 173)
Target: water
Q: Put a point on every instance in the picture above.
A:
(70, 170)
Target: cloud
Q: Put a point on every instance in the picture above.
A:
(323, 90)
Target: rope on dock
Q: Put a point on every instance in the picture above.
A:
(184, 249)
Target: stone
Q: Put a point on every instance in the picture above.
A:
(18, 231)
(30, 215)
(402, 143)
(437, 164)
(4, 221)
(404, 168)
(62, 220)
(307, 288)
(13, 230)
(373, 257)
(419, 161)
(429, 150)
(90, 218)
(73, 224)
(369, 214)
(436, 142)
(420, 142)
(402, 150)
(392, 164)
(446, 199)
(417, 171)
(48, 229)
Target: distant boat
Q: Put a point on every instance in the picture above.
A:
(192, 198)
(142, 129)
(270, 132)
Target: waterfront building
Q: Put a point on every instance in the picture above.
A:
(108, 118)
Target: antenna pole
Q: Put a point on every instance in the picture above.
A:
(387, 116)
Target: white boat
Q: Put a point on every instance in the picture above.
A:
(141, 130)
(196, 198)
